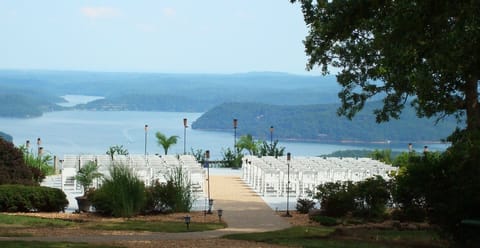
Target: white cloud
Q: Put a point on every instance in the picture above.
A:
(169, 12)
(100, 12)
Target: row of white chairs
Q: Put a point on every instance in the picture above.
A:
(149, 169)
(269, 176)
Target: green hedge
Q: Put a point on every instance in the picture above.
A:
(20, 198)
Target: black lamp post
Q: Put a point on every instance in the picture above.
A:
(187, 220)
(146, 131)
(288, 183)
(271, 135)
(210, 205)
(39, 148)
(185, 125)
(235, 124)
(210, 201)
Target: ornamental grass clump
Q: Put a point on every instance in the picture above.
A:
(121, 195)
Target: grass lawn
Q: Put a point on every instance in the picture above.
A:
(35, 244)
(11, 222)
(171, 227)
(329, 237)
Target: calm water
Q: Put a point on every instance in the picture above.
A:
(91, 132)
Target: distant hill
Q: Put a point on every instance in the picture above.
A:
(6, 137)
(320, 123)
(159, 91)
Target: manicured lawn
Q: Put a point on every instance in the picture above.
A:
(27, 221)
(35, 244)
(328, 237)
(11, 222)
(156, 226)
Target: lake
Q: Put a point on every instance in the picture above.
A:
(93, 132)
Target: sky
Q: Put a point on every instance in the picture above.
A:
(165, 36)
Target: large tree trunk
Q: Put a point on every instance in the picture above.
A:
(472, 105)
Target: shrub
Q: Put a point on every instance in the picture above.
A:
(372, 196)
(336, 199)
(304, 205)
(121, 195)
(21, 198)
(232, 159)
(324, 220)
(13, 169)
(174, 195)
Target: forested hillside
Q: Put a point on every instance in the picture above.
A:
(32, 92)
(321, 123)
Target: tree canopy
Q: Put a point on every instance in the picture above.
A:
(421, 52)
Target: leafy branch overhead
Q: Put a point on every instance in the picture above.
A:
(419, 52)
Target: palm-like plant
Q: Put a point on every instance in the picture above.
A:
(271, 149)
(165, 141)
(246, 142)
(116, 149)
(87, 174)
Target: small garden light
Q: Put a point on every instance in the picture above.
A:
(187, 221)
(220, 213)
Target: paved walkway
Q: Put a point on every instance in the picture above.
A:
(243, 210)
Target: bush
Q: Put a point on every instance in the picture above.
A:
(304, 205)
(13, 169)
(372, 196)
(175, 195)
(232, 159)
(121, 195)
(324, 220)
(336, 199)
(21, 198)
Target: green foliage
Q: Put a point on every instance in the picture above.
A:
(156, 226)
(175, 195)
(166, 142)
(29, 221)
(408, 190)
(21, 198)
(271, 149)
(41, 163)
(384, 156)
(246, 142)
(42, 244)
(393, 50)
(336, 199)
(367, 198)
(87, 174)
(199, 155)
(116, 149)
(13, 169)
(121, 195)
(325, 220)
(304, 205)
(452, 186)
(372, 196)
(231, 159)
